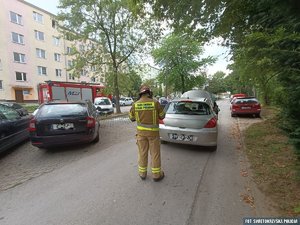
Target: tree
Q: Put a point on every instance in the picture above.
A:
(111, 30)
(179, 58)
(217, 83)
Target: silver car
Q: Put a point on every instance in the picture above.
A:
(190, 121)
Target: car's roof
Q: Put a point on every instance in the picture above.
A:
(57, 102)
(195, 99)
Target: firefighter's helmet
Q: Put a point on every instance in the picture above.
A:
(145, 89)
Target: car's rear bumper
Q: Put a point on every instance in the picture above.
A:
(201, 137)
(245, 112)
(59, 140)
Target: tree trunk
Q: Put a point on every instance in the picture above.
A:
(116, 90)
(182, 84)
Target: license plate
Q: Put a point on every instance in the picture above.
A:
(181, 137)
(63, 126)
(245, 107)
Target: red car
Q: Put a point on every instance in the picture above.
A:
(245, 106)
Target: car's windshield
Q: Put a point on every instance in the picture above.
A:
(62, 110)
(191, 108)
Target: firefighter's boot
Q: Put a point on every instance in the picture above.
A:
(158, 177)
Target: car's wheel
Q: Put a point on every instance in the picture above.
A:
(257, 115)
(163, 142)
(213, 148)
(97, 137)
(232, 115)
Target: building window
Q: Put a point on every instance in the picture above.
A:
(83, 73)
(38, 17)
(81, 48)
(58, 72)
(69, 50)
(1, 84)
(57, 57)
(42, 70)
(56, 41)
(71, 77)
(26, 92)
(70, 64)
(93, 79)
(20, 76)
(39, 35)
(54, 24)
(17, 38)
(19, 57)
(16, 18)
(40, 53)
(93, 68)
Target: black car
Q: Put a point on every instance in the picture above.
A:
(20, 109)
(13, 127)
(64, 123)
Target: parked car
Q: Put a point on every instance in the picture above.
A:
(239, 95)
(64, 123)
(20, 109)
(126, 101)
(163, 101)
(190, 121)
(13, 127)
(245, 106)
(104, 105)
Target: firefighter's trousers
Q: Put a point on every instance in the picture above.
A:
(146, 144)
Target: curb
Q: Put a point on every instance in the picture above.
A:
(115, 115)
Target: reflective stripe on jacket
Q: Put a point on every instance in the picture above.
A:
(146, 112)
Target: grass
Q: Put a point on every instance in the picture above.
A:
(274, 163)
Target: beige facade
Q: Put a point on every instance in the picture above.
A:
(33, 51)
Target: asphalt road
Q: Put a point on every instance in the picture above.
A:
(100, 185)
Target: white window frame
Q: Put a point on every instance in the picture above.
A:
(42, 70)
(23, 76)
(57, 57)
(69, 50)
(58, 72)
(56, 41)
(71, 76)
(39, 35)
(40, 53)
(19, 37)
(70, 64)
(38, 17)
(20, 57)
(17, 19)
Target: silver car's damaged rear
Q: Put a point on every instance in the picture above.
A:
(190, 121)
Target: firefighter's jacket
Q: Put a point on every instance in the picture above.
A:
(147, 112)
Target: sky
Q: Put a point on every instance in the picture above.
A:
(212, 49)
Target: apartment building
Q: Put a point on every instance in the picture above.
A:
(33, 51)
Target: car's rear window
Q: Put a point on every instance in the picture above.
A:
(246, 101)
(188, 107)
(62, 110)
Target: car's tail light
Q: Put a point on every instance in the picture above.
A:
(32, 126)
(211, 123)
(234, 106)
(161, 122)
(91, 122)
(257, 106)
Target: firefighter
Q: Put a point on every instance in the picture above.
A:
(147, 112)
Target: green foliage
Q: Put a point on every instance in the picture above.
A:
(110, 32)
(217, 83)
(179, 58)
